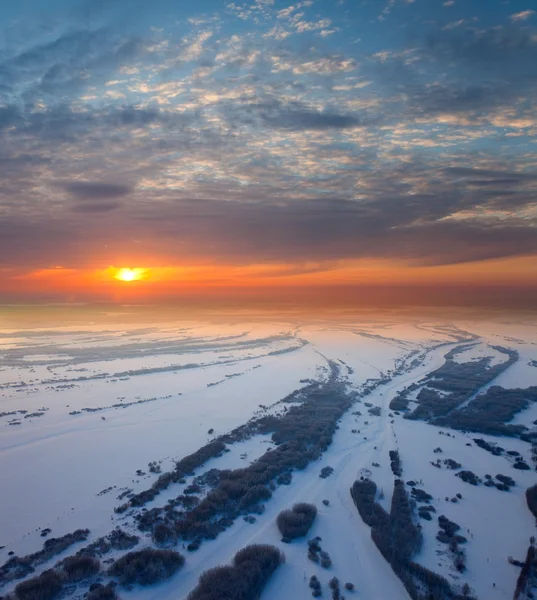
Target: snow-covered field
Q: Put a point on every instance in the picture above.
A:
(83, 408)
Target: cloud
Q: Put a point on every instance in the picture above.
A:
(87, 190)
(523, 15)
(96, 207)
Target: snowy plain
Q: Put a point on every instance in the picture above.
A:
(102, 402)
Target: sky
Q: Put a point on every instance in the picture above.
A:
(230, 149)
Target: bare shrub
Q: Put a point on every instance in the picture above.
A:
(77, 568)
(244, 579)
(146, 566)
(296, 522)
(44, 587)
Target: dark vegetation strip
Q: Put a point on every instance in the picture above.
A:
(398, 539)
(491, 412)
(460, 380)
(184, 467)
(18, 567)
(528, 575)
(244, 579)
(488, 412)
(531, 499)
(187, 465)
(147, 566)
(144, 567)
(301, 436)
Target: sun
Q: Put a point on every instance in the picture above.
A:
(129, 275)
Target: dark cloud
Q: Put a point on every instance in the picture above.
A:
(66, 65)
(96, 207)
(491, 174)
(88, 190)
(296, 117)
(411, 228)
(275, 113)
(462, 70)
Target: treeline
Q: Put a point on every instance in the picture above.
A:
(146, 566)
(491, 412)
(18, 567)
(244, 579)
(186, 466)
(531, 499)
(398, 538)
(50, 583)
(527, 574)
(395, 463)
(301, 436)
(460, 380)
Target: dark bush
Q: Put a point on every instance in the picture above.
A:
(395, 463)
(326, 472)
(146, 566)
(243, 580)
(45, 587)
(448, 526)
(326, 561)
(349, 586)
(469, 477)
(77, 568)
(18, 567)
(296, 522)
(333, 584)
(506, 480)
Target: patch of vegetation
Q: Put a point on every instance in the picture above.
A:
(98, 591)
(491, 412)
(296, 522)
(399, 539)
(46, 586)
(531, 499)
(455, 384)
(19, 567)
(395, 463)
(146, 566)
(163, 535)
(244, 579)
(315, 586)
(469, 477)
(77, 568)
(528, 574)
(115, 540)
(326, 472)
(186, 466)
(420, 495)
(301, 435)
(333, 584)
(507, 481)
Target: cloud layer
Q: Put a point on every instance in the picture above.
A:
(268, 133)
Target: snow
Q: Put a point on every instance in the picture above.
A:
(58, 463)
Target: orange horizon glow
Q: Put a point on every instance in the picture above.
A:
(152, 281)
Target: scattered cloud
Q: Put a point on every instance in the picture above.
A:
(523, 15)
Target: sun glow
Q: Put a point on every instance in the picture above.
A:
(129, 275)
